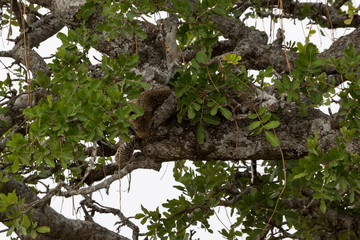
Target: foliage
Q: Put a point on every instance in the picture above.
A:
(264, 124)
(333, 178)
(19, 218)
(82, 104)
(306, 80)
(348, 67)
(79, 108)
(202, 91)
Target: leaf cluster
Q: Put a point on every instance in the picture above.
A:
(18, 216)
(201, 192)
(204, 90)
(332, 177)
(79, 108)
(348, 67)
(306, 85)
(264, 123)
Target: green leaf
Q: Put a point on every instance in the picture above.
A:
(62, 37)
(352, 196)
(214, 110)
(226, 113)
(43, 229)
(274, 195)
(286, 82)
(266, 117)
(33, 234)
(4, 110)
(268, 71)
(272, 139)
(141, 34)
(343, 183)
(318, 63)
(143, 221)
(125, 137)
(49, 161)
(213, 120)
(200, 135)
(137, 109)
(311, 51)
(131, 15)
(15, 165)
(318, 195)
(132, 60)
(300, 175)
(196, 106)
(10, 231)
(49, 99)
(201, 57)
(272, 124)
(322, 206)
(348, 21)
(26, 221)
(180, 91)
(144, 209)
(261, 111)
(195, 63)
(139, 215)
(191, 112)
(279, 85)
(304, 108)
(254, 125)
(252, 116)
(220, 11)
(256, 132)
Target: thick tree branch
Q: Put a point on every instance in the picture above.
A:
(173, 141)
(43, 29)
(61, 227)
(320, 11)
(168, 140)
(251, 45)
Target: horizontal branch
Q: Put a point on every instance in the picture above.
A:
(231, 140)
(139, 163)
(328, 15)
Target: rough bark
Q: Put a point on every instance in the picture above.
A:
(168, 140)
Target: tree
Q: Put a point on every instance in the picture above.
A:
(179, 90)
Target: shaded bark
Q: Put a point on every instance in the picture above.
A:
(168, 140)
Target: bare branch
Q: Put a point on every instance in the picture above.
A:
(102, 209)
(140, 163)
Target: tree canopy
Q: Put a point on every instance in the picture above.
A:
(178, 88)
